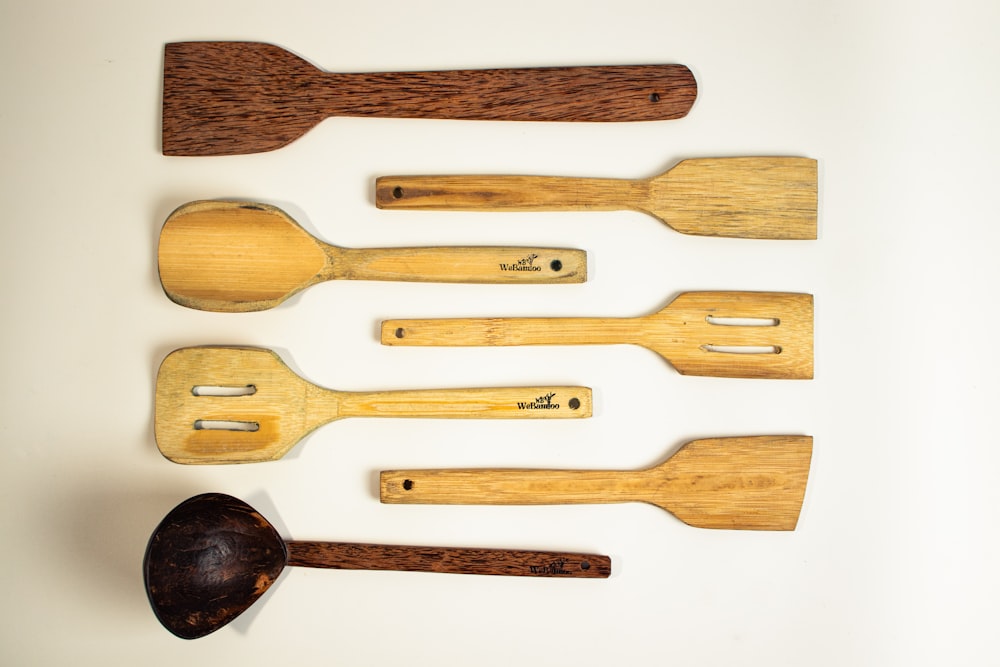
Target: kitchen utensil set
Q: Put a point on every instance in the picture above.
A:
(214, 555)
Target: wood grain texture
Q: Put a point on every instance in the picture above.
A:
(453, 560)
(696, 333)
(744, 483)
(281, 408)
(743, 197)
(229, 256)
(230, 98)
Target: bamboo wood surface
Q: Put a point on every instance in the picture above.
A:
(213, 556)
(745, 483)
(228, 256)
(231, 98)
(741, 197)
(453, 560)
(722, 334)
(280, 408)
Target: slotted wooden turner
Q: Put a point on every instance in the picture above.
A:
(722, 334)
(741, 197)
(234, 257)
(744, 483)
(244, 405)
(229, 98)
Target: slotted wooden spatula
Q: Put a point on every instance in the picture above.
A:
(723, 334)
(230, 257)
(745, 483)
(244, 405)
(230, 98)
(742, 197)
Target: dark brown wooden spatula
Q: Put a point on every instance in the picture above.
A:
(214, 555)
(231, 98)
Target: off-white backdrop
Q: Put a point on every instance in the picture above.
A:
(894, 559)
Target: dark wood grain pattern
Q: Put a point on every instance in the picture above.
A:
(213, 556)
(229, 98)
(447, 559)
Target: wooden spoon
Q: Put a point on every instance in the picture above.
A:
(228, 256)
(745, 483)
(743, 197)
(244, 405)
(229, 98)
(213, 556)
(722, 334)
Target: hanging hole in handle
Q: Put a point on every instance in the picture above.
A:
(585, 565)
(407, 484)
(574, 403)
(654, 97)
(555, 265)
(397, 192)
(400, 332)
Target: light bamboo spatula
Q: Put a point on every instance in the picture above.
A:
(741, 197)
(743, 483)
(230, 98)
(244, 405)
(234, 257)
(722, 334)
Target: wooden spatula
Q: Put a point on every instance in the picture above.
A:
(230, 98)
(743, 197)
(244, 405)
(229, 256)
(723, 334)
(745, 483)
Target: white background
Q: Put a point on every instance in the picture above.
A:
(895, 557)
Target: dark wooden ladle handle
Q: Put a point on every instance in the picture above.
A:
(346, 556)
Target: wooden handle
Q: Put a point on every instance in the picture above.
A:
(508, 193)
(598, 93)
(464, 332)
(447, 559)
(460, 264)
(493, 403)
(510, 487)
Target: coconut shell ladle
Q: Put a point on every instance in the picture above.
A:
(214, 555)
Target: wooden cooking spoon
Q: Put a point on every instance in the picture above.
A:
(746, 483)
(743, 197)
(229, 98)
(722, 334)
(244, 405)
(234, 257)
(213, 556)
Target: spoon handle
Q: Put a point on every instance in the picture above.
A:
(463, 332)
(455, 264)
(347, 556)
(508, 193)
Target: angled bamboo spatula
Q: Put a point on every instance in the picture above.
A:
(722, 334)
(741, 197)
(745, 483)
(230, 98)
(230, 256)
(244, 405)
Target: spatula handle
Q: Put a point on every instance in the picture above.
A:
(460, 264)
(464, 332)
(452, 560)
(493, 403)
(508, 193)
(509, 487)
(588, 93)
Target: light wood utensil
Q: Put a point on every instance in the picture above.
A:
(214, 555)
(232, 257)
(742, 197)
(743, 483)
(244, 405)
(723, 334)
(229, 98)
